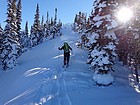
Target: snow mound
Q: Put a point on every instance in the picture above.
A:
(103, 79)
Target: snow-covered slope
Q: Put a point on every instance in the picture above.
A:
(40, 79)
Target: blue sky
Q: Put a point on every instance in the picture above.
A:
(67, 9)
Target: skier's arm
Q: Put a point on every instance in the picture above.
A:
(60, 48)
(70, 48)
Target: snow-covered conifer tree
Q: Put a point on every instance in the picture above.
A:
(42, 23)
(10, 43)
(13, 22)
(78, 22)
(59, 27)
(47, 26)
(29, 45)
(35, 29)
(42, 32)
(55, 18)
(55, 23)
(26, 28)
(18, 23)
(103, 48)
(75, 23)
(19, 20)
(25, 39)
(1, 38)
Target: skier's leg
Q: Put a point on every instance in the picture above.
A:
(68, 58)
(65, 58)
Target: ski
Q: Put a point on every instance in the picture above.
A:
(65, 67)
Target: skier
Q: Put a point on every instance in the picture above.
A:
(66, 49)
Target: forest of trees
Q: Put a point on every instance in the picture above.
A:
(106, 38)
(14, 41)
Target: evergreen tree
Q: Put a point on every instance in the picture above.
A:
(55, 23)
(42, 25)
(35, 29)
(13, 22)
(25, 39)
(47, 20)
(75, 23)
(28, 40)
(33, 37)
(19, 20)
(55, 19)
(37, 20)
(26, 28)
(18, 23)
(42, 22)
(9, 44)
(103, 48)
(47, 26)
(59, 27)
(78, 22)
(52, 29)
(42, 32)
(1, 38)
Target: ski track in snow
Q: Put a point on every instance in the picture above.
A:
(62, 89)
(55, 82)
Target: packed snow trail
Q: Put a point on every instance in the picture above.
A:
(40, 79)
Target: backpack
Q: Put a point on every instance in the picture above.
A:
(66, 47)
